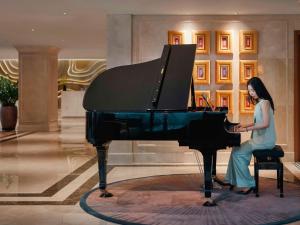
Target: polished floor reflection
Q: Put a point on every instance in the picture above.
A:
(43, 175)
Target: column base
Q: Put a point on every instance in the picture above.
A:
(48, 126)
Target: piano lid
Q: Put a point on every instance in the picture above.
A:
(134, 87)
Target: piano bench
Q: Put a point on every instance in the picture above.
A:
(269, 159)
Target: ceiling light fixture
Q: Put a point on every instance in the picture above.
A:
(32, 29)
(65, 13)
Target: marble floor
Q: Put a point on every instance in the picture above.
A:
(43, 175)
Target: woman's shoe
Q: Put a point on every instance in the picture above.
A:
(247, 191)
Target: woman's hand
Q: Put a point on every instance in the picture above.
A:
(240, 128)
(237, 128)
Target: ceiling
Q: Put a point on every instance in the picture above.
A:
(78, 27)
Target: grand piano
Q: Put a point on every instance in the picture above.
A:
(149, 101)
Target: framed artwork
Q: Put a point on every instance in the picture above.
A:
(201, 72)
(223, 42)
(248, 41)
(224, 99)
(202, 40)
(175, 37)
(223, 71)
(200, 102)
(245, 104)
(248, 69)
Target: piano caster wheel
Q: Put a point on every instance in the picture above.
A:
(105, 194)
(210, 203)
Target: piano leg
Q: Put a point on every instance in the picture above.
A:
(214, 166)
(102, 161)
(208, 185)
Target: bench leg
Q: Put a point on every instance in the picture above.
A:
(256, 175)
(281, 180)
(278, 177)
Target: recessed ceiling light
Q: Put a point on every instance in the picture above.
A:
(65, 13)
(32, 29)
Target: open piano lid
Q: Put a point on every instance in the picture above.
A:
(161, 84)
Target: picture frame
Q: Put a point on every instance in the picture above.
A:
(223, 71)
(248, 42)
(175, 37)
(224, 99)
(201, 72)
(200, 102)
(223, 42)
(202, 40)
(245, 104)
(248, 69)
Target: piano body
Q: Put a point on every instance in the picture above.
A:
(149, 101)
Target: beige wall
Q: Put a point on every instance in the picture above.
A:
(119, 40)
(275, 57)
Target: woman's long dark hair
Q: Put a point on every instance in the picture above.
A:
(260, 90)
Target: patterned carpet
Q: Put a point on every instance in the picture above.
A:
(176, 199)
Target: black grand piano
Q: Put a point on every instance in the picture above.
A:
(149, 101)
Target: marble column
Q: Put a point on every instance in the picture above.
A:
(38, 107)
(119, 52)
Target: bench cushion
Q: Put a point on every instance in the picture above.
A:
(276, 152)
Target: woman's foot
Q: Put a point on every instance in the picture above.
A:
(246, 191)
(210, 203)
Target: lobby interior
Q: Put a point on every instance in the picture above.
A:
(54, 50)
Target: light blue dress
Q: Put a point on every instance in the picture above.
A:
(238, 173)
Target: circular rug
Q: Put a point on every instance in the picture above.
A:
(177, 199)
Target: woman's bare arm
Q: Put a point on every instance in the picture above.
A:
(266, 119)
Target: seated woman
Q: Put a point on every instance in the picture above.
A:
(263, 137)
